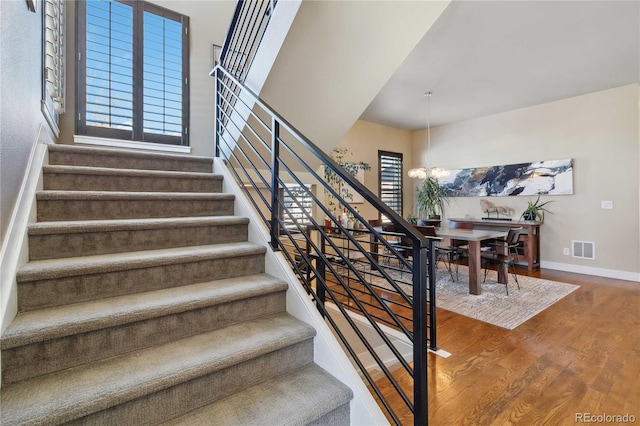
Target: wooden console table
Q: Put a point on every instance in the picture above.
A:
(530, 239)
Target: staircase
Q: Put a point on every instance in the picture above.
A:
(144, 303)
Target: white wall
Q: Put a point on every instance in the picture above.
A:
(336, 58)
(20, 95)
(600, 132)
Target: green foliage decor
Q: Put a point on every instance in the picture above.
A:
(431, 199)
(535, 210)
(336, 182)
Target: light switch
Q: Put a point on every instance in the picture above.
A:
(606, 204)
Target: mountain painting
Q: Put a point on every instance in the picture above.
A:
(554, 177)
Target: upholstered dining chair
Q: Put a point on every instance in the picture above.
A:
(504, 253)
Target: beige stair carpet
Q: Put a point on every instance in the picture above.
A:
(143, 303)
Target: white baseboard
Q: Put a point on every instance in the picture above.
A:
(590, 270)
(14, 251)
(120, 143)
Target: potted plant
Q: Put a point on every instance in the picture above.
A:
(431, 199)
(535, 210)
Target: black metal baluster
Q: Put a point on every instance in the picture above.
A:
(275, 183)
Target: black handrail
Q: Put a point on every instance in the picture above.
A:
(245, 33)
(364, 284)
(265, 153)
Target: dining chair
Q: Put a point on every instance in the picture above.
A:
(399, 244)
(507, 256)
(443, 254)
(457, 249)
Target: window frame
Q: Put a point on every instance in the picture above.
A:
(137, 134)
(401, 188)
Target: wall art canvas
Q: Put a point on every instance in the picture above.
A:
(554, 177)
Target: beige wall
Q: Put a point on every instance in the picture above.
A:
(364, 140)
(20, 94)
(208, 23)
(599, 131)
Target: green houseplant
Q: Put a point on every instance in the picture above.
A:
(337, 183)
(535, 210)
(431, 199)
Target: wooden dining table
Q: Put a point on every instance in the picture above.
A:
(474, 238)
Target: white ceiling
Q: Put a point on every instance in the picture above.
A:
(486, 57)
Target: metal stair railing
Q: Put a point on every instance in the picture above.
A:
(355, 272)
(249, 22)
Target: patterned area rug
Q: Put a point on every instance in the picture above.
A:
(493, 305)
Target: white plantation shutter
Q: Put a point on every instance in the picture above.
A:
(390, 190)
(54, 72)
(133, 72)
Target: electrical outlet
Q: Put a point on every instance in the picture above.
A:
(565, 251)
(606, 204)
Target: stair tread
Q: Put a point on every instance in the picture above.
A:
(82, 390)
(73, 226)
(52, 323)
(101, 263)
(299, 397)
(108, 171)
(123, 195)
(129, 153)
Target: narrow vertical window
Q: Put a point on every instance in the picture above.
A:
(132, 72)
(390, 180)
(53, 82)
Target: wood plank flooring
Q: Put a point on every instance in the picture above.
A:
(581, 355)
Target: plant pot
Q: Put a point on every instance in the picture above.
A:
(429, 222)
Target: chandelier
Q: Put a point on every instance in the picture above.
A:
(424, 172)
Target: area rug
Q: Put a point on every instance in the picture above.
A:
(493, 305)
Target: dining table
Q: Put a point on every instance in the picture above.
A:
(475, 237)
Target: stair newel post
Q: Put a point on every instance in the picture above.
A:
(217, 113)
(431, 267)
(420, 271)
(275, 182)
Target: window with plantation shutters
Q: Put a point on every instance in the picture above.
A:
(390, 180)
(298, 202)
(53, 59)
(132, 71)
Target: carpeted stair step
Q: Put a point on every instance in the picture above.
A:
(165, 381)
(308, 396)
(55, 282)
(46, 340)
(77, 155)
(77, 178)
(104, 205)
(48, 240)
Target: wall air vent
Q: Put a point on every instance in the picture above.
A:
(583, 249)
